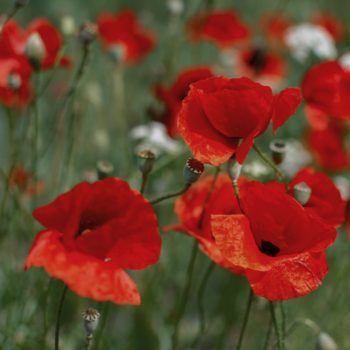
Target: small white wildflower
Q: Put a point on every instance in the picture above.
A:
(68, 25)
(256, 169)
(344, 60)
(306, 38)
(343, 185)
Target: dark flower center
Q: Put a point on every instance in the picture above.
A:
(86, 225)
(257, 59)
(269, 248)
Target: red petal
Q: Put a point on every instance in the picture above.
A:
(87, 276)
(285, 105)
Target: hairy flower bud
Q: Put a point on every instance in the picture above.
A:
(35, 50)
(302, 193)
(325, 342)
(234, 169)
(193, 169)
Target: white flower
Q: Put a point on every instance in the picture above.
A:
(343, 186)
(297, 157)
(344, 60)
(155, 138)
(68, 26)
(256, 169)
(306, 38)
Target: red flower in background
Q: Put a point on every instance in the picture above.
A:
(331, 24)
(326, 90)
(123, 33)
(279, 244)
(223, 28)
(220, 112)
(173, 96)
(15, 87)
(14, 41)
(275, 27)
(93, 232)
(262, 65)
(196, 223)
(325, 200)
(328, 147)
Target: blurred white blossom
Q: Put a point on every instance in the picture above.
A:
(297, 157)
(176, 7)
(343, 185)
(101, 139)
(306, 38)
(344, 60)
(68, 26)
(256, 169)
(93, 93)
(155, 138)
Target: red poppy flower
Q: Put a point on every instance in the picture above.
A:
(326, 89)
(259, 64)
(223, 28)
(280, 245)
(173, 96)
(328, 147)
(220, 112)
(94, 231)
(14, 41)
(325, 200)
(275, 27)
(196, 223)
(123, 33)
(331, 24)
(15, 87)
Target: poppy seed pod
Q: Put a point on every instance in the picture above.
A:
(193, 169)
(302, 193)
(87, 33)
(91, 317)
(325, 342)
(146, 159)
(104, 169)
(35, 50)
(278, 151)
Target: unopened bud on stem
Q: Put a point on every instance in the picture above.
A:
(325, 342)
(234, 168)
(87, 33)
(91, 317)
(104, 169)
(35, 50)
(302, 193)
(146, 160)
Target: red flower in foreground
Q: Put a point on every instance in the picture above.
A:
(279, 244)
(173, 96)
(219, 112)
(123, 36)
(224, 28)
(258, 63)
(94, 231)
(14, 40)
(15, 87)
(196, 223)
(326, 90)
(328, 147)
(331, 24)
(325, 200)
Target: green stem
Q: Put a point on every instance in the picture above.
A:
(144, 182)
(245, 320)
(104, 317)
(268, 335)
(284, 320)
(8, 18)
(280, 345)
(269, 162)
(185, 295)
(88, 341)
(58, 319)
(201, 310)
(170, 195)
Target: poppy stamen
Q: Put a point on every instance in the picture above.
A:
(269, 248)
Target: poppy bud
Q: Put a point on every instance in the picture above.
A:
(325, 342)
(90, 317)
(302, 193)
(14, 81)
(193, 169)
(21, 3)
(117, 53)
(234, 169)
(104, 169)
(35, 50)
(278, 151)
(146, 159)
(87, 33)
